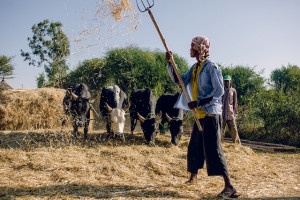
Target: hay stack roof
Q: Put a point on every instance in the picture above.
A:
(5, 85)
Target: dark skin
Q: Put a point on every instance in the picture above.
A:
(227, 83)
(228, 189)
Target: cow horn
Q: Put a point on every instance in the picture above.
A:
(126, 107)
(141, 118)
(158, 116)
(109, 109)
(92, 99)
(185, 120)
(74, 96)
(168, 117)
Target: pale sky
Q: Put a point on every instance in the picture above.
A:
(257, 33)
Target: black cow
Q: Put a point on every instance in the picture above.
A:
(142, 107)
(76, 104)
(113, 105)
(173, 116)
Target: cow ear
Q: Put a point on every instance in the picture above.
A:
(158, 116)
(185, 120)
(126, 108)
(141, 118)
(109, 109)
(168, 117)
(92, 99)
(74, 96)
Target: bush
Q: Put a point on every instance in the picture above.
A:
(272, 117)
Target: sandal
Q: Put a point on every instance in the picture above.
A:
(230, 194)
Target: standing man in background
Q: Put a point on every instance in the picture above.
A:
(230, 110)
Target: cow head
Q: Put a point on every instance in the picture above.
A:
(117, 117)
(176, 128)
(149, 126)
(80, 108)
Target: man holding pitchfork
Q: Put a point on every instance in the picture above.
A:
(204, 84)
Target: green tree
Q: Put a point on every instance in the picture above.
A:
(134, 68)
(6, 68)
(41, 80)
(50, 47)
(92, 72)
(130, 68)
(286, 78)
(245, 80)
(278, 113)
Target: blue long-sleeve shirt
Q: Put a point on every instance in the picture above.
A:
(210, 84)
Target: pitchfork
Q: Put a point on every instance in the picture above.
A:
(146, 7)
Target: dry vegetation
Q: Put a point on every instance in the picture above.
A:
(52, 164)
(31, 109)
(112, 19)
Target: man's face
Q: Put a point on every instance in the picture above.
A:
(227, 83)
(193, 51)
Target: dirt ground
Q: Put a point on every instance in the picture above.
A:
(52, 164)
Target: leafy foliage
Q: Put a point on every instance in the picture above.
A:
(279, 114)
(41, 80)
(130, 68)
(134, 68)
(286, 78)
(6, 68)
(50, 46)
(93, 72)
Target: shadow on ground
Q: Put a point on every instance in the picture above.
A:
(89, 191)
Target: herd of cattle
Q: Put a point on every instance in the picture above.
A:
(142, 105)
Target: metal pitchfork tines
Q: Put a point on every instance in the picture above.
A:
(147, 8)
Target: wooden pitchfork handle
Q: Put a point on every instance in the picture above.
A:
(175, 69)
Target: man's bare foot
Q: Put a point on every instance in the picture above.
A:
(192, 180)
(229, 192)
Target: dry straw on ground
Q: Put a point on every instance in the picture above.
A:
(31, 109)
(54, 165)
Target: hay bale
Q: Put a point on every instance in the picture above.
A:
(31, 109)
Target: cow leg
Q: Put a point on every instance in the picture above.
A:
(152, 139)
(75, 129)
(108, 127)
(86, 125)
(133, 124)
(86, 128)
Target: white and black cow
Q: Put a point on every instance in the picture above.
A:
(142, 107)
(113, 106)
(76, 104)
(173, 116)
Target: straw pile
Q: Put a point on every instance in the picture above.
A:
(48, 165)
(31, 109)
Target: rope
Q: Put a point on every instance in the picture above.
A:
(165, 128)
(150, 115)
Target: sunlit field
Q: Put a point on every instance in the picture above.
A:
(52, 164)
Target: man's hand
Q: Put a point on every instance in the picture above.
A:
(192, 104)
(169, 56)
(204, 101)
